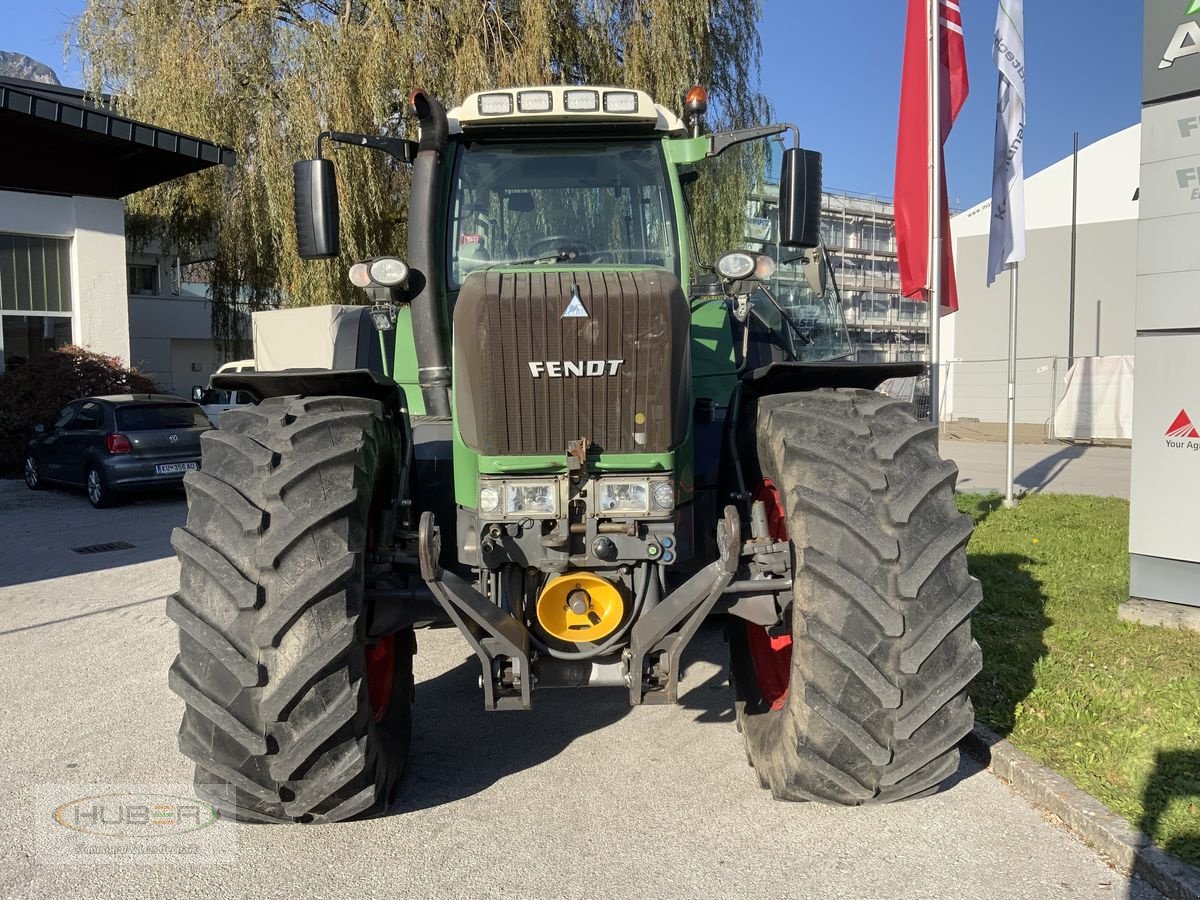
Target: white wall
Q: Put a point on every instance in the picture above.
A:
(170, 333)
(193, 362)
(1109, 177)
(96, 227)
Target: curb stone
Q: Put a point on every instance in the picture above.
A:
(1126, 847)
(1160, 612)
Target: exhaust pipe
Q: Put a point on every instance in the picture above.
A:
(429, 315)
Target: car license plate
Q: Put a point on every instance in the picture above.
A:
(175, 468)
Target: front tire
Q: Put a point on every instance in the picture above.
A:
(863, 699)
(291, 714)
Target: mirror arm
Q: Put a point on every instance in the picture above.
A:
(397, 148)
(829, 269)
(721, 141)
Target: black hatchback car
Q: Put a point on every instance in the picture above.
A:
(110, 445)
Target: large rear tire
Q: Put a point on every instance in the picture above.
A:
(866, 702)
(289, 715)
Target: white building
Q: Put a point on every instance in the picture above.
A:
(65, 276)
(975, 339)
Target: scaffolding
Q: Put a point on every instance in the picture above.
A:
(860, 233)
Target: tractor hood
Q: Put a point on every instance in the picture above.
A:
(544, 358)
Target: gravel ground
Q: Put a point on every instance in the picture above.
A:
(582, 797)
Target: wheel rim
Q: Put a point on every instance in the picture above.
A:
(31, 473)
(771, 656)
(381, 665)
(93, 486)
(380, 656)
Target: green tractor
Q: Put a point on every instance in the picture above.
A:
(585, 443)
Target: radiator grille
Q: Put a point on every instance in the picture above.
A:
(505, 321)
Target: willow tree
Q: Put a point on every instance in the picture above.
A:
(265, 76)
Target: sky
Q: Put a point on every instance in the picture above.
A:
(37, 28)
(833, 69)
(842, 86)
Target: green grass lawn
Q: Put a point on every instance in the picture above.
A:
(1113, 706)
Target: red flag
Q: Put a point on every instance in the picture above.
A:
(912, 145)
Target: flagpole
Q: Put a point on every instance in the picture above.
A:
(1010, 458)
(935, 211)
(1006, 236)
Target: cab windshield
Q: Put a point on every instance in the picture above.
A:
(584, 203)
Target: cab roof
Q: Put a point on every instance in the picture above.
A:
(562, 105)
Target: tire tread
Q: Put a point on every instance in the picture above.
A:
(882, 652)
(270, 665)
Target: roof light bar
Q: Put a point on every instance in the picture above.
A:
(620, 102)
(495, 104)
(534, 101)
(545, 105)
(582, 101)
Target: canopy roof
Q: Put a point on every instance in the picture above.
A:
(58, 141)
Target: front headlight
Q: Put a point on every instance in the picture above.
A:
(489, 499)
(389, 271)
(538, 498)
(620, 497)
(735, 265)
(664, 494)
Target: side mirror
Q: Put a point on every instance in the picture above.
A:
(39, 429)
(197, 393)
(800, 199)
(315, 202)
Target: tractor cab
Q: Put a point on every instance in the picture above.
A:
(601, 178)
(557, 175)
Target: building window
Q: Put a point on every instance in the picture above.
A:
(25, 337)
(35, 296)
(143, 280)
(35, 274)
